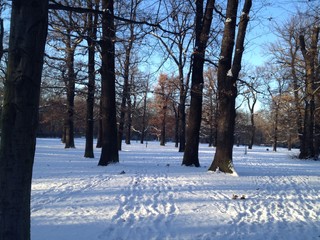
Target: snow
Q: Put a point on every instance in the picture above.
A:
(149, 195)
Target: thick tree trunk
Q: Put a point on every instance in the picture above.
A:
(29, 21)
(307, 146)
(92, 24)
(109, 152)
(227, 76)
(203, 24)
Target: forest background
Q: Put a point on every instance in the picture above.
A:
(271, 85)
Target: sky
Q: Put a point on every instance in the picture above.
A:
(261, 28)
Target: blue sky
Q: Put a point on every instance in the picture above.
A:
(263, 19)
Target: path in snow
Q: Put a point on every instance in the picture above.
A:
(156, 198)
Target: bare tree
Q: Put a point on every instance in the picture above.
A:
(202, 29)
(310, 57)
(92, 22)
(109, 152)
(177, 44)
(29, 22)
(228, 72)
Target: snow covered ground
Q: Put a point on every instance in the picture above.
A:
(149, 195)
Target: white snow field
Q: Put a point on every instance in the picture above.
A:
(149, 195)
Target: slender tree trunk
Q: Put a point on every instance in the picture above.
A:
(227, 76)
(126, 75)
(275, 127)
(63, 136)
(202, 29)
(182, 112)
(129, 115)
(125, 92)
(109, 152)
(176, 125)
(252, 121)
(1, 37)
(143, 128)
(99, 138)
(92, 26)
(163, 126)
(297, 100)
(70, 85)
(29, 22)
(317, 107)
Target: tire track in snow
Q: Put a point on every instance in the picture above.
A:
(146, 205)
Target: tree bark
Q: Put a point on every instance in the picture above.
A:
(143, 128)
(109, 152)
(307, 146)
(227, 76)
(70, 85)
(202, 29)
(28, 31)
(163, 126)
(92, 32)
(182, 111)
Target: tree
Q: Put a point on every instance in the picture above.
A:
(28, 31)
(209, 126)
(177, 44)
(286, 53)
(202, 29)
(92, 21)
(310, 57)
(128, 45)
(144, 112)
(250, 95)
(228, 73)
(109, 151)
(65, 26)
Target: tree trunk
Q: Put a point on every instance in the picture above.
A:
(29, 22)
(125, 93)
(182, 112)
(275, 127)
(129, 116)
(92, 26)
(143, 128)
(307, 146)
(99, 138)
(1, 38)
(126, 75)
(70, 85)
(227, 76)
(202, 29)
(109, 152)
(176, 125)
(163, 126)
